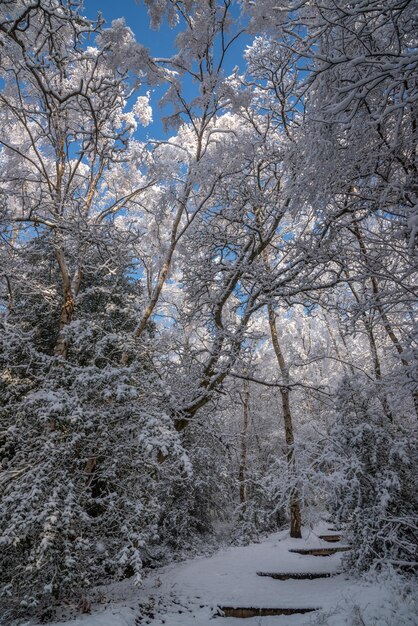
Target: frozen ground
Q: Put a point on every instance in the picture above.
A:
(188, 594)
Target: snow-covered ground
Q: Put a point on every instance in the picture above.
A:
(189, 593)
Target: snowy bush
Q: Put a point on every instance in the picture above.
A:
(81, 445)
(373, 480)
(394, 603)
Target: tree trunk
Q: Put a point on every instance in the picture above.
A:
(71, 289)
(242, 476)
(295, 515)
(67, 309)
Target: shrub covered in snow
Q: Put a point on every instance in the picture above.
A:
(81, 444)
(374, 480)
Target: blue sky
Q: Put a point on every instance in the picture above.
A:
(160, 43)
(135, 14)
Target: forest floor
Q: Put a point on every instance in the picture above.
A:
(193, 592)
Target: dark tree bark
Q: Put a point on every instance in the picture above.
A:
(295, 514)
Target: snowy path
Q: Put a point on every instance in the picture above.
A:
(188, 593)
(230, 579)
